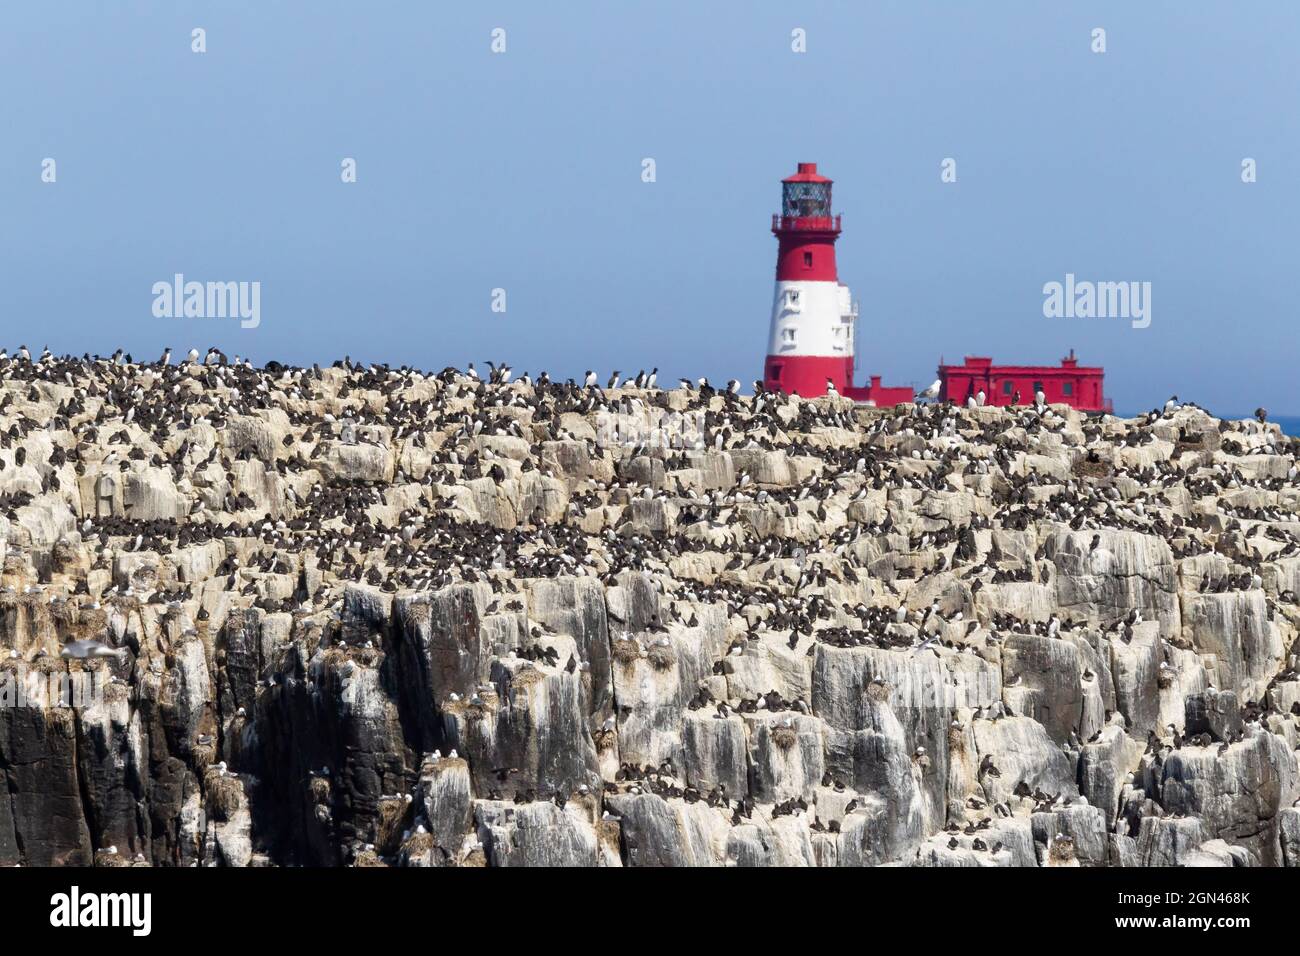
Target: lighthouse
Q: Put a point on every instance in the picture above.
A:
(813, 313)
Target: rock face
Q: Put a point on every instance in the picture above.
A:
(370, 616)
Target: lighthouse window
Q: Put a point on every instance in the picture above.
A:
(807, 260)
(1068, 388)
(1006, 387)
(794, 295)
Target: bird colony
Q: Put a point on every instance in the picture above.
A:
(369, 616)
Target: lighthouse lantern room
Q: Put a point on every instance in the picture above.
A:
(813, 314)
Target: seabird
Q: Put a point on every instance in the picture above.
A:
(81, 650)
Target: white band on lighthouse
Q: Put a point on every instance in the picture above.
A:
(812, 318)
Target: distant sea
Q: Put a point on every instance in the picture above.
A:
(1290, 424)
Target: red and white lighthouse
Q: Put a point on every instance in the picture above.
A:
(813, 314)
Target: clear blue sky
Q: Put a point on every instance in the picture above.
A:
(523, 171)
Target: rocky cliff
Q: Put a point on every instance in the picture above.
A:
(369, 616)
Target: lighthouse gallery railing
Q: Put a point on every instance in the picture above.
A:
(805, 223)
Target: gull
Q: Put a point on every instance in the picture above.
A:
(80, 650)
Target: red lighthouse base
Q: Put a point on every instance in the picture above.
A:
(806, 375)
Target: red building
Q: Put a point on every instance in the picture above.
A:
(1070, 383)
